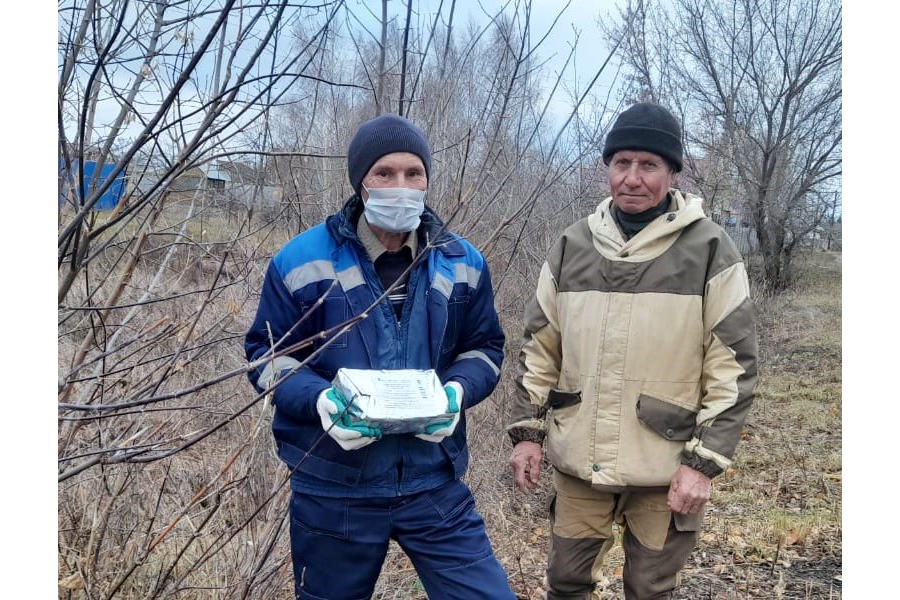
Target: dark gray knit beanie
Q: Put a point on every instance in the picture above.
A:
(383, 135)
(648, 127)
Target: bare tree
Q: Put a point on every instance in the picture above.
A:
(157, 431)
(758, 83)
(229, 123)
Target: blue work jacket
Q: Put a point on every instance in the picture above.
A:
(322, 279)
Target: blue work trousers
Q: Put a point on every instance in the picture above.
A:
(338, 545)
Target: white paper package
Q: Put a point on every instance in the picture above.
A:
(398, 400)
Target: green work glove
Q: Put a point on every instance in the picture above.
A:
(337, 422)
(436, 432)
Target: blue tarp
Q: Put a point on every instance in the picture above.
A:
(113, 194)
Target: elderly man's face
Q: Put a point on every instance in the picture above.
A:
(396, 170)
(639, 180)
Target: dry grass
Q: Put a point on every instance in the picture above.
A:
(210, 521)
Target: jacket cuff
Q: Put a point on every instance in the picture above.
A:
(707, 467)
(525, 434)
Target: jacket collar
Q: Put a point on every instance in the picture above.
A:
(653, 239)
(373, 245)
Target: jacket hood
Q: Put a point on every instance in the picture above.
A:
(651, 241)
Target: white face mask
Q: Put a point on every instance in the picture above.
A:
(395, 209)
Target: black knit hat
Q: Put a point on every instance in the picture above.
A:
(383, 135)
(648, 127)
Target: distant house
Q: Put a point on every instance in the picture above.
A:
(216, 177)
(202, 178)
(225, 182)
(250, 185)
(243, 173)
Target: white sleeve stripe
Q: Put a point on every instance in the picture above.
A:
(311, 272)
(479, 355)
(273, 368)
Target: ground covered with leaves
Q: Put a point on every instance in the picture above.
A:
(773, 525)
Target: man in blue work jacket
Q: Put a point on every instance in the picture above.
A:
(355, 488)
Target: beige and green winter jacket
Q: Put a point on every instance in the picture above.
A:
(640, 355)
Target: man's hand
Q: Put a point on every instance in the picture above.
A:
(349, 435)
(525, 462)
(688, 491)
(436, 432)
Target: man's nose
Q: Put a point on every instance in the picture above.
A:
(632, 177)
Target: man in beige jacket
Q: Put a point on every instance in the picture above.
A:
(637, 371)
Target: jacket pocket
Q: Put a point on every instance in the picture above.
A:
(318, 318)
(558, 399)
(668, 420)
(456, 315)
(337, 311)
(564, 408)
